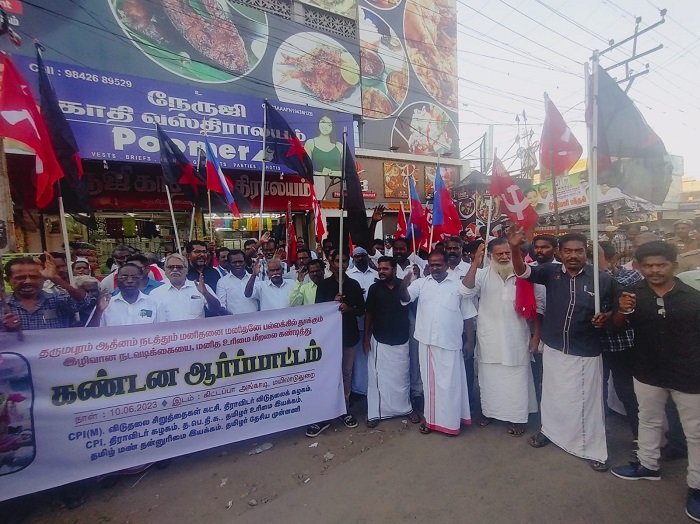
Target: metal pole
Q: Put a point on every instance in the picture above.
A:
(262, 178)
(553, 176)
(593, 174)
(194, 209)
(172, 216)
(64, 230)
(488, 225)
(342, 211)
(211, 220)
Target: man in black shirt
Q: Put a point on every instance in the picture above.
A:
(572, 382)
(386, 346)
(352, 305)
(665, 315)
(197, 254)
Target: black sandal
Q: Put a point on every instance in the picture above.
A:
(414, 417)
(424, 429)
(484, 422)
(516, 430)
(538, 440)
(371, 424)
(600, 467)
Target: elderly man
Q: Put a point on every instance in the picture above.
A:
(270, 251)
(505, 376)
(197, 253)
(231, 289)
(365, 276)
(32, 308)
(148, 283)
(572, 382)
(439, 326)
(303, 294)
(272, 293)
(130, 306)
(182, 299)
(385, 345)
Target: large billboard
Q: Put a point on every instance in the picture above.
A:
(218, 44)
(408, 59)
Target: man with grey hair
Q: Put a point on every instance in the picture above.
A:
(119, 254)
(182, 299)
(272, 293)
(91, 286)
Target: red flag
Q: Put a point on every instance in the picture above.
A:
(401, 226)
(21, 121)
(320, 230)
(516, 205)
(559, 149)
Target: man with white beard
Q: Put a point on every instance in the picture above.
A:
(503, 356)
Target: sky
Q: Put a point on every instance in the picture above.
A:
(512, 51)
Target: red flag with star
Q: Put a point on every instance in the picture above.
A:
(284, 147)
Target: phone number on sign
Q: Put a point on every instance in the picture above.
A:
(90, 77)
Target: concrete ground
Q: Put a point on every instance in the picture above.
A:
(389, 474)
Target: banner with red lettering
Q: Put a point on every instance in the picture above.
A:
(81, 402)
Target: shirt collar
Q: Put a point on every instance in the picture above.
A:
(188, 283)
(43, 295)
(584, 269)
(119, 296)
(271, 284)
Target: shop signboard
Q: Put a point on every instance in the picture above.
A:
(136, 187)
(114, 118)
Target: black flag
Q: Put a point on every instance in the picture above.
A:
(631, 156)
(354, 203)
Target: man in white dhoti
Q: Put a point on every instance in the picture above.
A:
(439, 328)
(385, 344)
(503, 354)
(572, 382)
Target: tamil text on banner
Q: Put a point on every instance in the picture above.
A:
(84, 402)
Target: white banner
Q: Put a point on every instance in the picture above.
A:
(77, 403)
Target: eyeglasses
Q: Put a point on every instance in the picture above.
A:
(175, 268)
(662, 307)
(126, 278)
(200, 251)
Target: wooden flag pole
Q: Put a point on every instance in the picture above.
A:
(211, 220)
(172, 216)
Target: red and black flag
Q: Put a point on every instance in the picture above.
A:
(177, 169)
(74, 190)
(285, 146)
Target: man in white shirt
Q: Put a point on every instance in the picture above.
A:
(303, 257)
(272, 293)
(456, 267)
(119, 254)
(365, 276)
(181, 299)
(439, 326)
(231, 289)
(505, 377)
(130, 306)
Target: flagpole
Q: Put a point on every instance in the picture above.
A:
(553, 176)
(211, 228)
(341, 240)
(64, 230)
(194, 210)
(488, 225)
(413, 231)
(172, 216)
(262, 178)
(593, 174)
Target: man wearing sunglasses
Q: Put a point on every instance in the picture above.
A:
(182, 299)
(665, 315)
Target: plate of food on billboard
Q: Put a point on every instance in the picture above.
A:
(311, 68)
(424, 128)
(347, 8)
(396, 179)
(203, 40)
(383, 66)
(431, 42)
